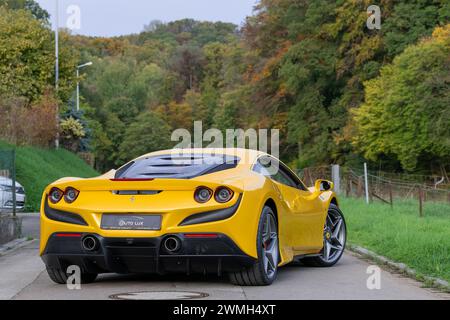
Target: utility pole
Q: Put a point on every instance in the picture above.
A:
(57, 70)
(78, 88)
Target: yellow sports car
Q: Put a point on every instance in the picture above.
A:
(234, 211)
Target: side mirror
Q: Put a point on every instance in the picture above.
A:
(324, 185)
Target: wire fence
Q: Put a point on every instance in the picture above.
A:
(382, 186)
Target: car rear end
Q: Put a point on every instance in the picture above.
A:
(155, 222)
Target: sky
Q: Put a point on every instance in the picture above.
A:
(119, 17)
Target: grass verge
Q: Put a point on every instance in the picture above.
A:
(401, 235)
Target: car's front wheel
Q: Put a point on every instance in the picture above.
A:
(60, 276)
(264, 271)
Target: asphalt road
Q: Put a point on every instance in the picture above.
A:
(23, 276)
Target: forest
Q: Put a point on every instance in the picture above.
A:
(337, 91)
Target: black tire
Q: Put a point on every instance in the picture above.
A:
(257, 275)
(319, 261)
(59, 276)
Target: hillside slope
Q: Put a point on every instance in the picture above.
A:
(36, 168)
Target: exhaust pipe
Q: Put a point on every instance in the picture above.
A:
(172, 244)
(90, 243)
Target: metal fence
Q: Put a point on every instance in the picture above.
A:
(10, 191)
(381, 186)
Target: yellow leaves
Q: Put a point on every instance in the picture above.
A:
(177, 115)
(442, 35)
(368, 48)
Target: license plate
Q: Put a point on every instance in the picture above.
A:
(131, 222)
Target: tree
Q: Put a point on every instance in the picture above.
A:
(406, 110)
(149, 133)
(296, 66)
(153, 26)
(27, 58)
(25, 124)
(150, 86)
(412, 20)
(176, 115)
(187, 62)
(30, 5)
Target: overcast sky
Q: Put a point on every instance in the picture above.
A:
(118, 17)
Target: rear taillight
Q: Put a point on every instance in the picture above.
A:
(203, 194)
(55, 195)
(223, 194)
(71, 194)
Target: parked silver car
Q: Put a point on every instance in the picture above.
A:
(6, 195)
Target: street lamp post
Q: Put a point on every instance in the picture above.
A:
(57, 69)
(56, 45)
(78, 82)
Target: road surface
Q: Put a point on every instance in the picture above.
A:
(23, 276)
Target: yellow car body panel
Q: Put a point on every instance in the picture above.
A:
(301, 214)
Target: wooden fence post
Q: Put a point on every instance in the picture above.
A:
(348, 186)
(360, 187)
(307, 176)
(420, 201)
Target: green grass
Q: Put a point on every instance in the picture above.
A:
(401, 235)
(36, 168)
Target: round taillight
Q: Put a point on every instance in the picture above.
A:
(71, 194)
(203, 194)
(223, 194)
(55, 195)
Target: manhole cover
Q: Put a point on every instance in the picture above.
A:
(159, 295)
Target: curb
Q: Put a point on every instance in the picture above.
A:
(14, 245)
(401, 267)
(27, 214)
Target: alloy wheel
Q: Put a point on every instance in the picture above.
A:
(334, 237)
(270, 246)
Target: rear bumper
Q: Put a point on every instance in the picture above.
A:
(146, 255)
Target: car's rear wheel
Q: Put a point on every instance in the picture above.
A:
(60, 276)
(264, 271)
(334, 240)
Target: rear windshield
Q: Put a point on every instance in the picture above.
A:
(176, 166)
